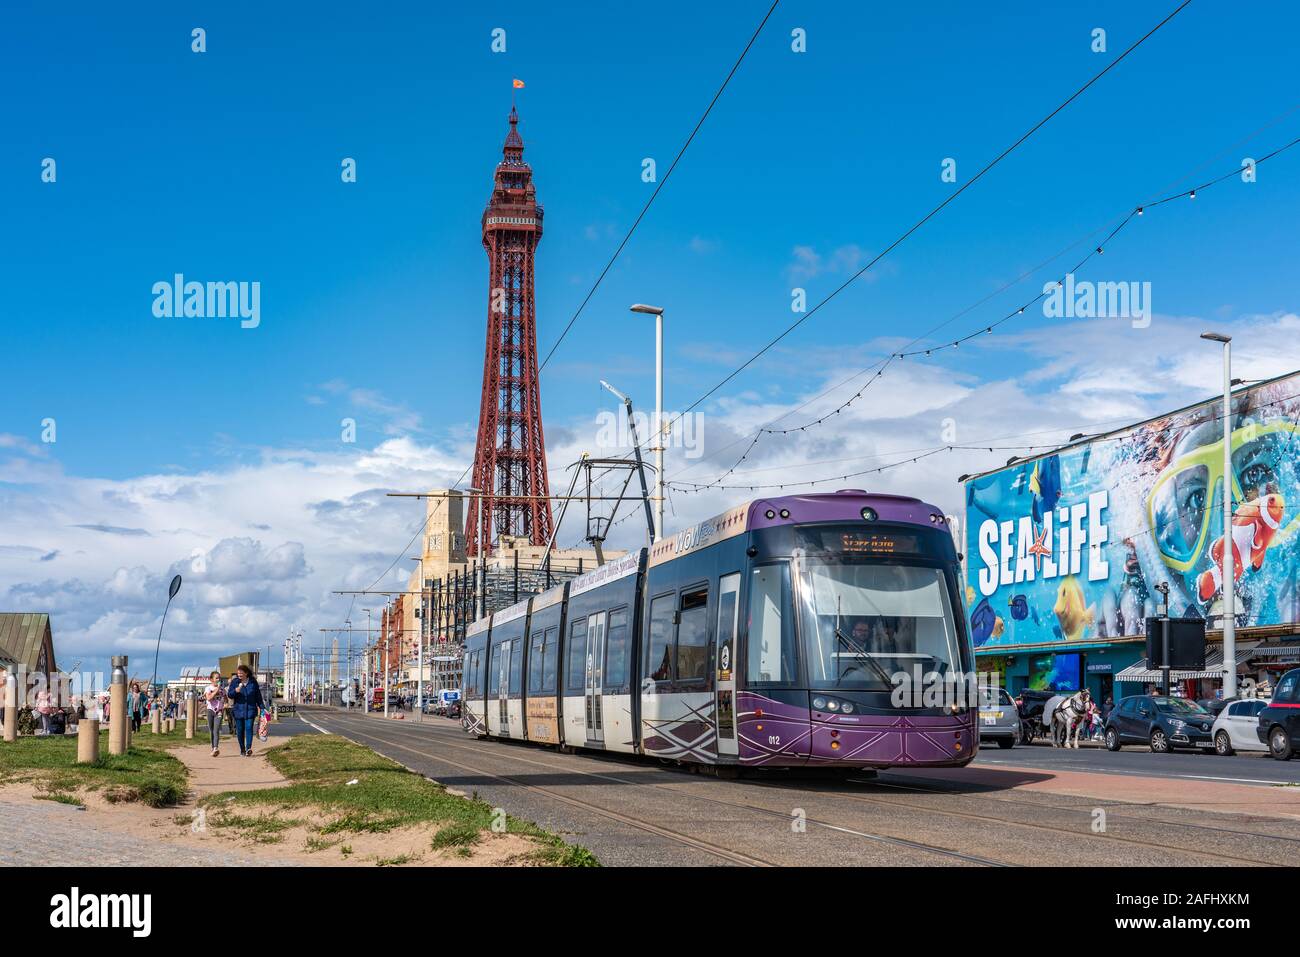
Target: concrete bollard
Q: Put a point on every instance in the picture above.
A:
(118, 722)
(11, 707)
(87, 741)
(191, 717)
(155, 721)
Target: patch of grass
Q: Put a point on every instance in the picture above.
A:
(456, 835)
(62, 797)
(315, 844)
(346, 850)
(386, 796)
(146, 773)
(397, 861)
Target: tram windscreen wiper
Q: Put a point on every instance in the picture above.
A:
(864, 655)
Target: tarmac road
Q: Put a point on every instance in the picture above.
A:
(1241, 768)
(633, 811)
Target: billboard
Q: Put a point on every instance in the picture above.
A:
(1070, 547)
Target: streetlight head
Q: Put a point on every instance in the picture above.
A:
(648, 310)
(1216, 337)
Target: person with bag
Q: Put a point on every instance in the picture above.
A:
(246, 698)
(215, 697)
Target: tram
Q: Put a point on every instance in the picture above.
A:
(772, 635)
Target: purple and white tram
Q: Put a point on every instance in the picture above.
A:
(769, 636)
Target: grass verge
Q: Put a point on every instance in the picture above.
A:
(146, 773)
(385, 796)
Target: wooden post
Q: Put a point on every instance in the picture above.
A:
(191, 715)
(87, 741)
(11, 707)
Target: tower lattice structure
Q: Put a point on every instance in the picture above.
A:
(510, 458)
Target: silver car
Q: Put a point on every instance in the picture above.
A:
(999, 719)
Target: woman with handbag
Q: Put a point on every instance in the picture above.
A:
(246, 698)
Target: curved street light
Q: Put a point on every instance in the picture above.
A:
(172, 589)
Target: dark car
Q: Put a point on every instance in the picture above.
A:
(1161, 723)
(1279, 723)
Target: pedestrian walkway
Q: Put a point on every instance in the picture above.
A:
(229, 771)
(46, 833)
(35, 833)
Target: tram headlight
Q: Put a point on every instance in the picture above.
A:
(832, 705)
(847, 707)
(819, 704)
(870, 514)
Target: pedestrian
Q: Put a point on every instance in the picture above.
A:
(246, 696)
(215, 696)
(135, 706)
(230, 704)
(44, 709)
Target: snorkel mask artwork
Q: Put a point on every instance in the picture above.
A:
(1184, 511)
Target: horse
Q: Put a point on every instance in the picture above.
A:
(1071, 712)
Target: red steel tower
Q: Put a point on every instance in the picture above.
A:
(510, 459)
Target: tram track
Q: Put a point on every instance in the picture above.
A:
(1212, 855)
(885, 839)
(1237, 832)
(1217, 856)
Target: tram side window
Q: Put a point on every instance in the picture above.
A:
(618, 647)
(494, 672)
(536, 651)
(658, 663)
(549, 655)
(771, 639)
(576, 681)
(693, 637)
(516, 665)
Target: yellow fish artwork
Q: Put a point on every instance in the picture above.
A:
(999, 626)
(1071, 612)
(970, 595)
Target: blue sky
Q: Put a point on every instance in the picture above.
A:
(225, 166)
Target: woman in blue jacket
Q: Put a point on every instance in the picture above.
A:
(246, 698)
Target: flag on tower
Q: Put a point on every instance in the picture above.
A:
(519, 84)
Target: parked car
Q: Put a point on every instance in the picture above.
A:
(1234, 728)
(1279, 723)
(999, 718)
(1160, 722)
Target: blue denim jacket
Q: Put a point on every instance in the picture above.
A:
(247, 701)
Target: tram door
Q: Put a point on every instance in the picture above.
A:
(724, 658)
(595, 676)
(503, 689)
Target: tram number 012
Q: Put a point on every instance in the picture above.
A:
(774, 739)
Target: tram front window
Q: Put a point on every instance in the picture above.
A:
(864, 623)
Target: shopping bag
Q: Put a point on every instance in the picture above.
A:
(263, 727)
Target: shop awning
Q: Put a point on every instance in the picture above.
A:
(1139, 672)
(1277, 651)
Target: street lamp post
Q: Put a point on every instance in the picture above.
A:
(478, 555)
(1229, 569)
(172, 589)
(658, 447)
(419, 653)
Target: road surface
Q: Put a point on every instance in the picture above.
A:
(1009, 808)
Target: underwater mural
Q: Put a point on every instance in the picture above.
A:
(1070, 547)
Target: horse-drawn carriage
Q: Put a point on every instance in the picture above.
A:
(1061, 718)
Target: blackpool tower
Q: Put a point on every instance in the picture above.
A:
(510, 458)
